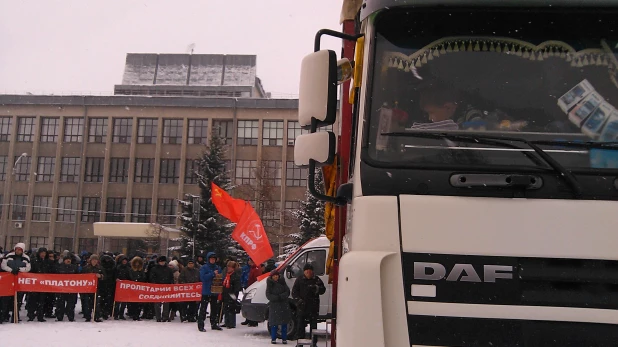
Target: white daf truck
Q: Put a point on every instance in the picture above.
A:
(478, 170)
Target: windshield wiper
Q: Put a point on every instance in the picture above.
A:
(500, 141)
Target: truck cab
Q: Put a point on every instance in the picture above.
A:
(315, 252)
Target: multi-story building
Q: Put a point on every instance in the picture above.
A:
(128, 159)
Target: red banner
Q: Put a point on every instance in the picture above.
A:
(56, 283)
(7, 284)
(251, 236)
(129, 291)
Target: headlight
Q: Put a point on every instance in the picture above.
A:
(250, 294)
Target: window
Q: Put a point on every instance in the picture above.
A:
(295, 176)
(119, 170)
(91, 208)
(294, 130)
(272, 133)
(4, 160)
(16, 239)
(73, 129)
(198, 131)
(67, 209)
(144, 170)
(97, 131)
(290, 208)
(19, 207)
(70, 169)
(166, 212)
(190, 168)
(270, 213)
(147, 131)
(94, 170)
(45, 169)
(22, 168)
(141, 210)
(225, 130)
(63, 243)
(49, 129)
(170, 171)
(25, 129)
(88, 245)
(248, 132)
(41, 210)
(115, 209)
(272, 172)
(245, 171)
(5, 129)
(37, 242)
(122, 130)
(315, 258)
(172, 131)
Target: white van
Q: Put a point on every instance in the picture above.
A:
(255, 304)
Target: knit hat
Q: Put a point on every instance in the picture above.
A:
(308, 267)
(93, 257)
(190, 260)
(21, 245)
(274, 273)
(161, 258)
(68, 256)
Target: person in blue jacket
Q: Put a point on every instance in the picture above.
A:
(244, 278)
(207, 273)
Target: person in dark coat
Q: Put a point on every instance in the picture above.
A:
(93, 267)
(50, 300)
(122, 273)
(136, 274)
(207, 273)
(306, 291)
(162, 274)
(188, 309)
(279, 312)
(36, 301)
(15, 262)
(108, 285)
(231, 288)
(65, 302)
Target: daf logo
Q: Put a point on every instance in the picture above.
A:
(461, 272)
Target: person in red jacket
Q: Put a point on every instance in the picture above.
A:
(254, 273)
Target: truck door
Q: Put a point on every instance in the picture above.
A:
(317, 258)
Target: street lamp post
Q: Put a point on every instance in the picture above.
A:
(5, 230)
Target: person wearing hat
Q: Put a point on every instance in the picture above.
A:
(36, 301)
(207, 273)
(162, 274)
(279, 312)
(15, 262)
(306, 291)
(136, 274)
(93, 267)
(65, 302)
(188, 309)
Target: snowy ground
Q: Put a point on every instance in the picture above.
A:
(129, 334)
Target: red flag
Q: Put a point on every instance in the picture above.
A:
(227, 206)
(251, 236)
(7, 284)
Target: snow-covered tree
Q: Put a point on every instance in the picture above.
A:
(213, 232)
(310, 215)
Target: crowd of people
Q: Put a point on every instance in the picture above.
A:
(222, 299)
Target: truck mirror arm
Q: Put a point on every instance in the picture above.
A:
(328, 32)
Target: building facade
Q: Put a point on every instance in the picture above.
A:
(69, 161)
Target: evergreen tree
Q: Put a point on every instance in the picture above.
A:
(310, 215)
(212, 232)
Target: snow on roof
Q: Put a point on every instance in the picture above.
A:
(321, 241)
(198, 69)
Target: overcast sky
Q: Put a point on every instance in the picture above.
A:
(80, 46)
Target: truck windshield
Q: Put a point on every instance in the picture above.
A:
(547, 77)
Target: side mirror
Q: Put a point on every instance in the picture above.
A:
(320, 147)
(288, 271)
(318, 89)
